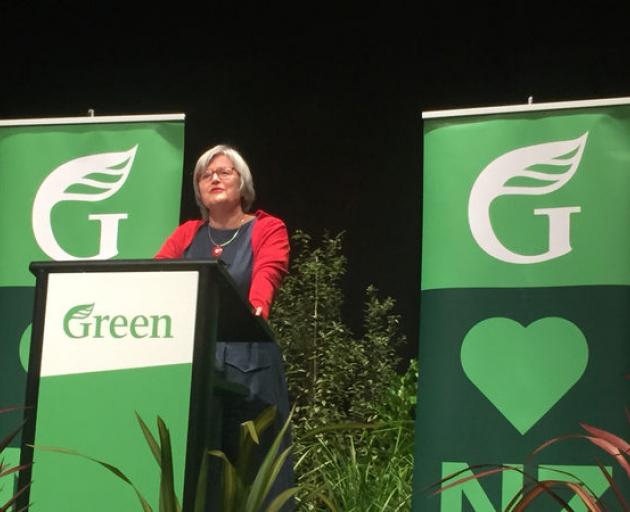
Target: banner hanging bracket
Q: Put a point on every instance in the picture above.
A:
(529, 107)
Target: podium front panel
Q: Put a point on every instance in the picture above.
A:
(113, 344)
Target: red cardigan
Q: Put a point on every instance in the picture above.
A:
(270, 248)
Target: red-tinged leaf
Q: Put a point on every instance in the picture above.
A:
(461, 471)
(537, 490)
(572, 476)
(586, 498)
(551, 441)
(604, 445)
(614, 487)
(612, 450)
(9, 503)
(13, 470)
(456, 474)
(14, 408)
(474, 476)
(7, 440)
(547, 485)
(617, 441)
(514, 500)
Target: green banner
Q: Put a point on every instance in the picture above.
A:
(77, 190)
(525, 293)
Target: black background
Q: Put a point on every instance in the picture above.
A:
(324, 101)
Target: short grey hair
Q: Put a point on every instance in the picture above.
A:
(248, 194)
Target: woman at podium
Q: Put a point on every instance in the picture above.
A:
(255, 248)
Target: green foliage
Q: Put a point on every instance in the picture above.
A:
(364, 471)
(400, 396)
(241, 494)
(332, 374)
(364, 466)
(353, 425)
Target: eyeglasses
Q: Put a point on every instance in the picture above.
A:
(223, 173)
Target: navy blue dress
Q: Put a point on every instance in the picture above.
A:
(258, 366)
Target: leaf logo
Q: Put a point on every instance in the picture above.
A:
(533, 171)
(90, 178)
(81, 311)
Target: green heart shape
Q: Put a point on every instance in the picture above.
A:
(524, 371)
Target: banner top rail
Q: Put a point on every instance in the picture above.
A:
(93, 119)
(527, 107)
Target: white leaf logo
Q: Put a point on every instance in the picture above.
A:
(89, 178)
(531, 170)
